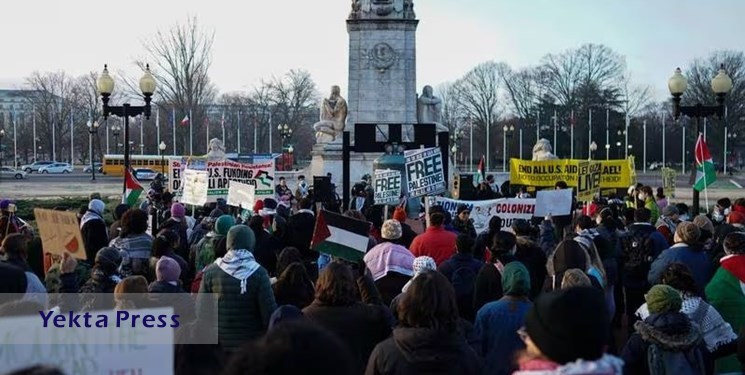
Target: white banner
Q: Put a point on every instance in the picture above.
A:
(387, 186)
(553, 202)
(241, 195)
(424, 172)
(220, 173)
(195, 187)
(482, 211)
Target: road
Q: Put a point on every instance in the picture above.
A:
(60, 185)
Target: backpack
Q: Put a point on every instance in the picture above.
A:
(636, 254)
(663, 362)
(463, 280)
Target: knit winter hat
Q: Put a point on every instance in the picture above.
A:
(97, 206)
(167, 269)
(216, 213)
(178, 211)
(569, 324)
(461, 208)
(240, 237)
(669, 210)
(95, 195)
(704, 223)
(223, 224)
(688, 232)
(399, 214)
(515, 279)
(110, 256)
(4, 204)
(663, 298)
(735, 217)
(423, 264)
(391, 230)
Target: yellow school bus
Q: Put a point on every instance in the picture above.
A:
(113, 165)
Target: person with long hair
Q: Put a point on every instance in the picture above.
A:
(294, 287)
(428, 339)
(488, 285)
(135, 242)
(359, 324)
(568, 254)
(165, 245)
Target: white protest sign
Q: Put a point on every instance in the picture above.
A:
(60, 232)
(88, 350)
(241, 195)
(553, 202)
(482, 211)
(195, 187)
(220, 173)
(387, 186)
(424, 172)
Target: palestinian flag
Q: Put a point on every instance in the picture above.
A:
(185, 120)
(133, 189)
(480, 176)
(705, 172)
(340, 236)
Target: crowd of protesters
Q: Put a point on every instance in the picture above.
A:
(631, 286)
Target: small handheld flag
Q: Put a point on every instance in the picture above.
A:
(705, 170)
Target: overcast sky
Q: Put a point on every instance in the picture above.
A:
(255, 39)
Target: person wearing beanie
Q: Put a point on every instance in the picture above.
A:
(167, 290)
(684, 251)
(725, 291)
(97, 292)
(177, 223)
(461, 270)
(463, 222)
(566, 332)
(666, 332)
(93, 229)
(421, 264)
(205, 253)
(485, 239)
(408, 234)
(242, 288)
(497, 322)
(736, 219)
(390, 264)
(667, 223)
(488, 284)
(436, 242)
(267, 245)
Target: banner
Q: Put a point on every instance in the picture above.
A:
(60, 232)
(220, 173)
(424, 172)
(668, 181)
(387, 186)
(482, 211)
(614, 173)
(588, 180)
(241, 195)
(195, 187)
(553, 202)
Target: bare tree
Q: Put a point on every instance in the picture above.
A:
(181, 58)
(702, 70)
(294, 99)
(452, 116)
(633, 99)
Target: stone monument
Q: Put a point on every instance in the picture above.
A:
(333, 118)
(543, 151)
(216, 150)
(429, 109)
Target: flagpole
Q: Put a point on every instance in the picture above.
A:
(703, 168)
(173, 121)
(607, 134)
(538, 127)
(222, 124)
(725, 140)
(521, 143)
(644, 147)
(571, 136)
(157, 129)
(256, 133)
(142, 138)
(72, 141)
(238, 129)
(555, 126)
(15, 139)
(683, 158)
(207, 126)
(626, 137)
(589, 135)
(270, 131)
(191, 134)
(663, 140)
(106, 123)
(34, 126)
(704, 128)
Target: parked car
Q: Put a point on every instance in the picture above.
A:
(99, 168)
(8, 172)
(56, 168)
(145, 174)
(35, 166)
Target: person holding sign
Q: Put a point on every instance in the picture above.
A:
(16, 252)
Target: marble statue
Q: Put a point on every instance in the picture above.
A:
(333, 117)
(216, 149)
(542, 150)
(429, 109)
(382, 9)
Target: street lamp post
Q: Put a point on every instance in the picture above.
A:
(92, 130)
(730, 137)
(721, 85)
(106, 87)
(454, 151)
(607, 151)
(508, 132)
(593, 148)
(2, 151)
(162, 148)
(116, 129)
(284, 133)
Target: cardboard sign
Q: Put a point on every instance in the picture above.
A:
(668, 181)
(482, 211)
(387, 186)
(614, 173)
(241, 195)
(221, 173)
(195, 187)
(60, 232)
(553, 202)
(588, 180)
(86, 351)
(424, 172)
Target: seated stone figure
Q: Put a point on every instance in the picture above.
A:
(543, 151)
(333, 117)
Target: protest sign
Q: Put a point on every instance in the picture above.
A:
(613, 174)
(424, 172)
(241, 195)
(60, 232)
(387, 186)
(482, 211)
(195, 187)
(220, 172)
(668, 181)
(553, 202)
(588, 180)
(87, 351)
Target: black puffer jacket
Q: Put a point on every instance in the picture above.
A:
(423, 351)
(165, 294)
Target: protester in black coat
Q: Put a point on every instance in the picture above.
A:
(167, 290)
(461, 270)
(301, 225)
(294, 287)
(485, 239)
(93, 229)
(428, 339)
(530, 254)
(488, 286)
(267, 246)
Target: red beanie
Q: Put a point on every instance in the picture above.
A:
(736, 218)
(738, 208)
(258, 206)
(399, 215)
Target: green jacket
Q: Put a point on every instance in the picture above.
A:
(240, 317)
(206, 250)
(726, 295)
(651, 205)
